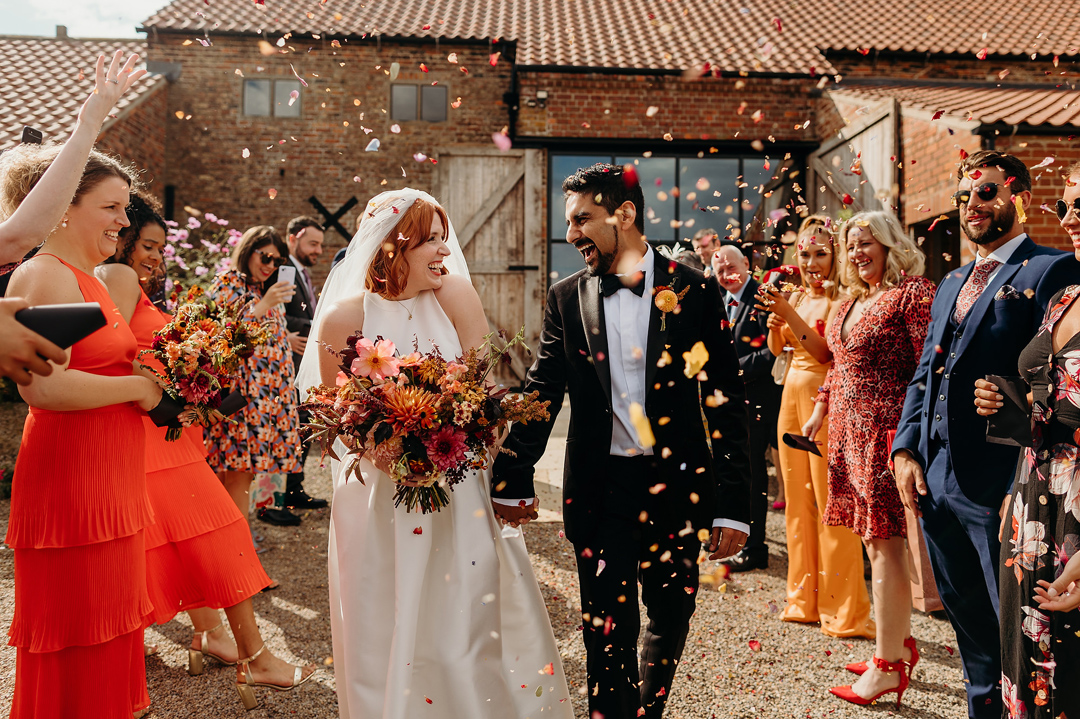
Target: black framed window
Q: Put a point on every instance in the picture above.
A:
(266, 98)
(683, 194)
(418, 102)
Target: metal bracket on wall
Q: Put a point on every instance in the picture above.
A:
(332, 219)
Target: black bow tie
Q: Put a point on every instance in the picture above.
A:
(610, 284)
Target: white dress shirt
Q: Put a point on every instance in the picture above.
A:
(1003, 253)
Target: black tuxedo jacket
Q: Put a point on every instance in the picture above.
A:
(299, 311)
(749, 328)
(701, 485)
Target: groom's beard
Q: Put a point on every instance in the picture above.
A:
(604, 260)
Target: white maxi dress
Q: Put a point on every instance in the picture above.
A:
(434, 615)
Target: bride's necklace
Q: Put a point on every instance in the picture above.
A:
(410, 311)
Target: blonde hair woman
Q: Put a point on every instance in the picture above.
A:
(876, 340)
(824, 580)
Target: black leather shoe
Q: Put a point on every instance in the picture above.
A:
(748, 559)
(302, 500)
(278, 516)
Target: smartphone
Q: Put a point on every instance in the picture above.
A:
(287, 273)
(31, 136)
(63, 325)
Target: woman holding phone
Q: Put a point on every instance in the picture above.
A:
(199, 554)
(78, 502)
(265, 438)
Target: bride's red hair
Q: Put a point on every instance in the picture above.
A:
(389, 271)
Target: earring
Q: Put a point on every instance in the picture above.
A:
(63, 222)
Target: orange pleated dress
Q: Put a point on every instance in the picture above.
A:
(78, 509)
(198, 550)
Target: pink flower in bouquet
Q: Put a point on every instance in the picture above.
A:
(446, 448)
(376, 361)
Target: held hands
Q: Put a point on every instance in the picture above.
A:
(23, 352)
(514, 516)
(110, 86)
(987, 399)
(909, 480)
(278, 294)
(149, 393)
(1064, 594)
(770, 299)
(725, 542)
(813, 425)
(775, 323)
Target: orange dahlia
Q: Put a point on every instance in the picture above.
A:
(410, 407)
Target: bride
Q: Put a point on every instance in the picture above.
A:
(435, 615)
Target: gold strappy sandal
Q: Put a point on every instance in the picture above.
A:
(195, 656)
(246, 688)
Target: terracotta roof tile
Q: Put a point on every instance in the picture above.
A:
(40, 82)
(773, 36)
(991, 104)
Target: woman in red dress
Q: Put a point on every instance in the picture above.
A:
(876, 339)
(78, 501)
(199, 554)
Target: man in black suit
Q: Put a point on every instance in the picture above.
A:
(731, 269)
(305, 240)
(656, 456)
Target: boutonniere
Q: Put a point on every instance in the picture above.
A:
(666, 300)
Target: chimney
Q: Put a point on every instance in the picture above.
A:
(61, 32)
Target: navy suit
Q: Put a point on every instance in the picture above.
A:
(967, 477)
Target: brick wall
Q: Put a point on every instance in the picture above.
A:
(321, 152)
(930, 153)
(139, 138)
(1047, 182)
(608, 106)
(993, 69)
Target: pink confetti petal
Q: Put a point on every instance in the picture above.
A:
(294, 72)
(501, 141)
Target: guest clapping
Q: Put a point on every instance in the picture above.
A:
(876, 340)
(78, 503)
(1040, 561)
(265, 438)
(825, 569)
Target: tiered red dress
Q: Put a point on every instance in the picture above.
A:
(198, 551)
(78, 509)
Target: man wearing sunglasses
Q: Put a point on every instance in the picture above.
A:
(983, 314)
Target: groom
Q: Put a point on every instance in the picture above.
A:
(656, 457)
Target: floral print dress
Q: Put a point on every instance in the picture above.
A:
(1040, 664)
(265, 436)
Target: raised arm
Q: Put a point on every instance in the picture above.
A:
(43, 208)
(341, 320)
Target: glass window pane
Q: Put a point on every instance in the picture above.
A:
(700, 207)
(756, 177)
(433, 103)
(283, 90)
(562, 166)
(657, 178)
(257, 97)
(564, 260)
(403, 102)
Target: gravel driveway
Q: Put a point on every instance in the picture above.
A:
(720, 676)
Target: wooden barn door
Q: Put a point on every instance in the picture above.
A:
(495, 201)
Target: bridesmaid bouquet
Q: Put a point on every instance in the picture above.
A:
(201, 352)
(428, 420)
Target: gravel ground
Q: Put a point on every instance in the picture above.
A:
(720, 676)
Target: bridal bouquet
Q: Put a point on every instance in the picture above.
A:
(428, 420)
(201, 352)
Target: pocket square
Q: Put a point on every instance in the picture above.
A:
(1007, 292)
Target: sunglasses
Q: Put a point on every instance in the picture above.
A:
(1063, 208)
(985, 192)
(267, 259)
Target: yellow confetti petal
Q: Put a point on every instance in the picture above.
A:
(695, 359)
(1020, 214)
(641, 425)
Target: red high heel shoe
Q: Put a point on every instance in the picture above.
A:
(860, 667)
(848, 694)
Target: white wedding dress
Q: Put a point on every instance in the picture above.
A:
(434, 615)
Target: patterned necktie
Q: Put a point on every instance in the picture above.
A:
(974, 287)
(310, 289)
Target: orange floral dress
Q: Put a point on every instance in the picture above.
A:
(265, 438)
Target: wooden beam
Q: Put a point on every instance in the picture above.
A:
(490, 205)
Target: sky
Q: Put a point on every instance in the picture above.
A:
(83, 18)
